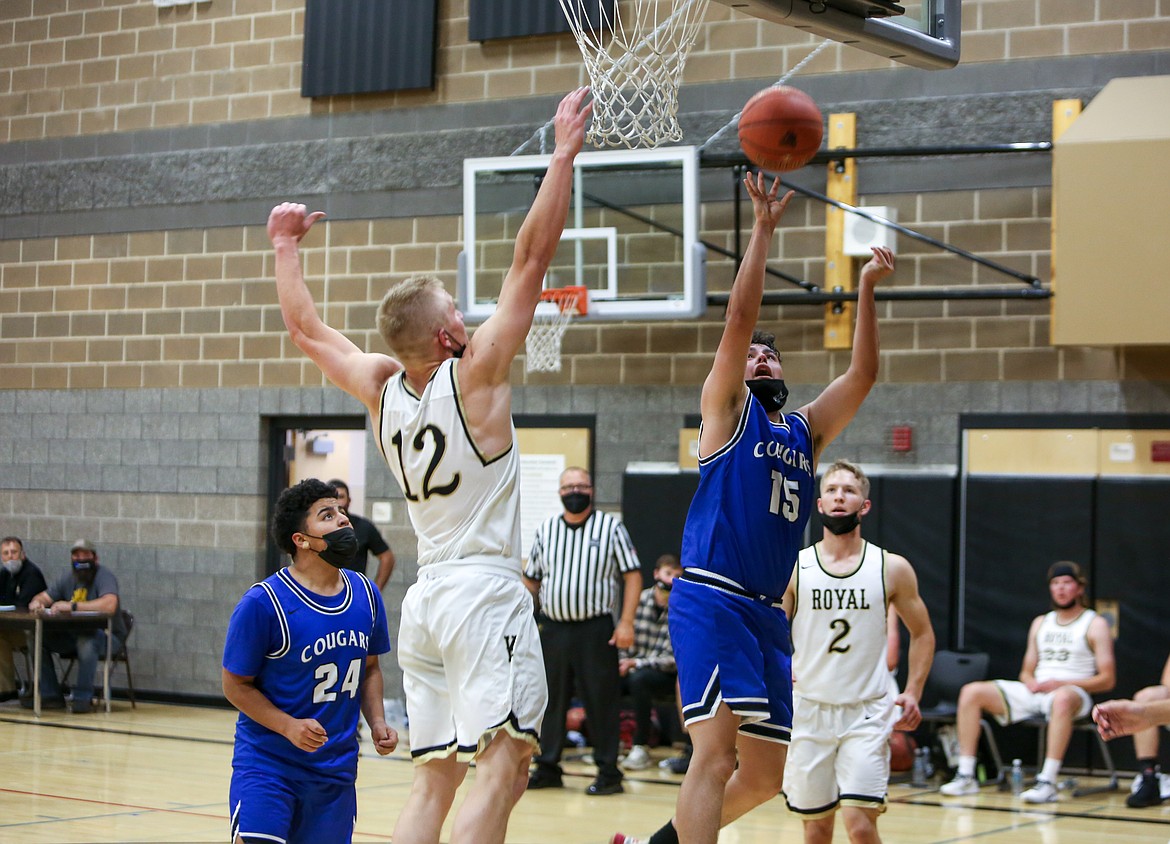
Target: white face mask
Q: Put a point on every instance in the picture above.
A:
(13, 566)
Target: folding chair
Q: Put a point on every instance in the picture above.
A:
(950, 671)
(1081, 725)
(122, 655)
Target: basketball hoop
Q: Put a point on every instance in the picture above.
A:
(635, 70)
(555, 311)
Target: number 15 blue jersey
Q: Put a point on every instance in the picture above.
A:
(746, 522)
(307, 653)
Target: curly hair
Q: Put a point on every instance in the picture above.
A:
(292, 511)
(764, 338)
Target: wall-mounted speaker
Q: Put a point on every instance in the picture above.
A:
(861, 233)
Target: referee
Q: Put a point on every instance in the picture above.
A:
(572, 570)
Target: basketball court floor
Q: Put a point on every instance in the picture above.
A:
(160, 773)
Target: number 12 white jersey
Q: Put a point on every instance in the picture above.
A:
(464, 505)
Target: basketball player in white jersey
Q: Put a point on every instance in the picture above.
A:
(844, 706)
(1069, 658)
(442, 414)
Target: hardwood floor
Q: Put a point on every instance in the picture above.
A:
(160, 774)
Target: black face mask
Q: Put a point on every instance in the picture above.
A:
(576, 502)
(457, 353)
(84, 570)
(839, 525)
(340, 546)
(665, 587)
(770, 392)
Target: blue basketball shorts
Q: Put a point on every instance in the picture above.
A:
(735, 650)
(267, 808)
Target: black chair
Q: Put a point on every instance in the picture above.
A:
(122, 655)
(1081, 725)
(951, 671)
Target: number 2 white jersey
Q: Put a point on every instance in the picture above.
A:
(1062, 650)
(839, 629)
(464, 505)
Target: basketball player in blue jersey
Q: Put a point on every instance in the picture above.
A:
(441, 409)
(757, 486)
(301, 665)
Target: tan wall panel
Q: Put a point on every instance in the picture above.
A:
(1129, 454)
(1010, 451)
(688, 448)
(573, 443)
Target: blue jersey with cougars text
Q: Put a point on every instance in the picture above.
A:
(746, 521)
(307, 653)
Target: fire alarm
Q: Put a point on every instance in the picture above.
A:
(901, 438)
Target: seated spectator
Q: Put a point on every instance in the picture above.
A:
(20, 581)
(1148, 791)
(1069, 658)
(370, 541)
(647, 669)
(88, 587)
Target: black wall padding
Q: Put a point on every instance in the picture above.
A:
(1133, 567)
(365, 46)
(1016, 529)
(915, 518)
(654, 509)
(488, 19)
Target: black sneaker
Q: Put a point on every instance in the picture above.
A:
(601, 787)
(541, 778)
(1147, 793)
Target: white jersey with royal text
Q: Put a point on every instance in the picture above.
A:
(839, 629)
(1062, 650)
(464, 505)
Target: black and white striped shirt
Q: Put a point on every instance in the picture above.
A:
(578, 565)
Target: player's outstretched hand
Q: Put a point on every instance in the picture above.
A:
(289, 221)
(879, 266)
(385, 738)
(768, 209)
(307, 734)
(1116, 718)
(911, 715)
(572, 114)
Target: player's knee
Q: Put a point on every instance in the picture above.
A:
(1152, 693)
(718, 764)
(1065, 704)
(861, 827)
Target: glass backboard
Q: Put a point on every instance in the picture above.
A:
(919, 33)
(631, 236)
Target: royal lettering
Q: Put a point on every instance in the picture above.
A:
(839, 599)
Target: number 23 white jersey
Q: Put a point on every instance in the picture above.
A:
(464, 505)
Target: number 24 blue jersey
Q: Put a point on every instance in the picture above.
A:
(307, 653)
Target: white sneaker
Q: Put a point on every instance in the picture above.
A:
(638, 758)
(960, 786)
(1042, 792)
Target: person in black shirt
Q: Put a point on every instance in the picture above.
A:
(369, 540)
(20, 580)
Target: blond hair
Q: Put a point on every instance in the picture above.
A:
(851, 468)
(408, 317)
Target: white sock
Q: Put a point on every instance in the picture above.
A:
(966, 766)
(1050, 771)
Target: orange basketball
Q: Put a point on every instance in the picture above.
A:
(902, 747)
(575, 718)
(780, 129)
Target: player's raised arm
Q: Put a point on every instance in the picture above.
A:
(832, 410)
(495, 343)
(724, 391)
(342, 362)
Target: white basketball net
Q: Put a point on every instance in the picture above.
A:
(635, 66)
(543, 345)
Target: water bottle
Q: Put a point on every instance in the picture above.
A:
(1016, 777)
(918, 774)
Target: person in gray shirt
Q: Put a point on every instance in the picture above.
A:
(87, 587)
